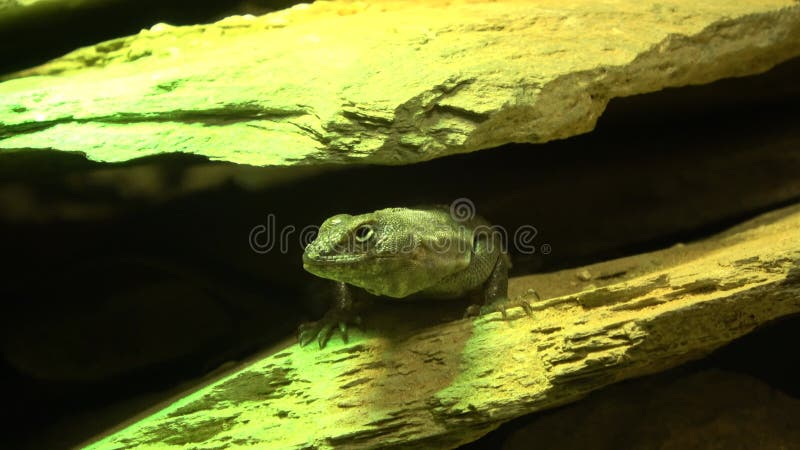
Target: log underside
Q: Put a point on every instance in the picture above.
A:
(412, 380)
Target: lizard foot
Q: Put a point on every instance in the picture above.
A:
(323, 329)
(499, 305)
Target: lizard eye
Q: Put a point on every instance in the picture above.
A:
(364, 233)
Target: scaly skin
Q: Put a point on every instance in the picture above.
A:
(406, 253)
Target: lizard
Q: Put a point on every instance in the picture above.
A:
(406, 253)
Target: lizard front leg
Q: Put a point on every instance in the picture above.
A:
(495, 293)
(339, 316)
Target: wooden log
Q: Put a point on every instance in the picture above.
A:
(442, 385)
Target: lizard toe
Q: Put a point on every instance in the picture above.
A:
(322, 330)
(502, 304)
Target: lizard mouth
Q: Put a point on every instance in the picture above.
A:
(332, 259)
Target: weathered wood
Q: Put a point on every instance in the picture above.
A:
(448, 384)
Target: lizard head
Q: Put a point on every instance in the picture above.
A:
(393, 252)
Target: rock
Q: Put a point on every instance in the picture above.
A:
(415, 384)
(33, 32)
(415, 82)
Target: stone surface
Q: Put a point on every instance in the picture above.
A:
(33, 32)
(16, 11)
(389, 83)
(439, 385)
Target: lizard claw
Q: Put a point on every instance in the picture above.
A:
(324, 328)
(499, 305)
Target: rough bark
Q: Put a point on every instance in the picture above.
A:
(447, 384)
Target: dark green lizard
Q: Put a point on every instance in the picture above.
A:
(407, 253)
